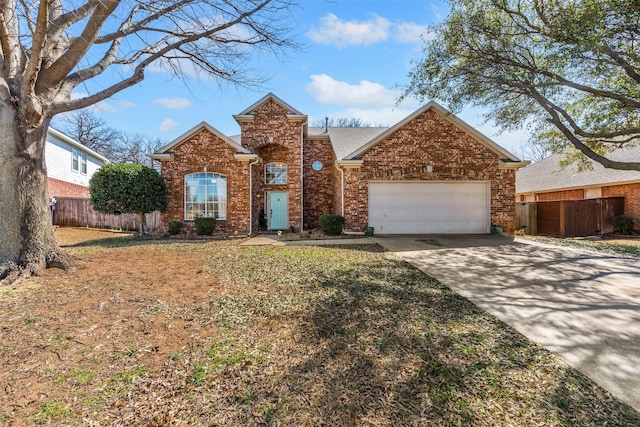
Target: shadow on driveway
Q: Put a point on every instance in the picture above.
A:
(583, 306)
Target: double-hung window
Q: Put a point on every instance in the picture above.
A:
(79, 161)
(205, 195)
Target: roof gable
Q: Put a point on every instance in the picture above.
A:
(450, 117)
(267, 97)
(188, 134)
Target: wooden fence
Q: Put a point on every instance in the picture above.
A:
(71, 212)
(569, 218)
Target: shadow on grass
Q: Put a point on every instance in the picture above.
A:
(395, 347)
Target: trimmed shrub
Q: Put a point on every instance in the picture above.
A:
(331, 224)
(175, 227)
(205, 226)
(623, 224)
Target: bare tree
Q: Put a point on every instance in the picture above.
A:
(117, 146)
(92, 132)
(341, 122)
(50, 47)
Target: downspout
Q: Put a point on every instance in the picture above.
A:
(251, 195)
(302, 177)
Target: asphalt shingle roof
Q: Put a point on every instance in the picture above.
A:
(348, 140)
(548, 175)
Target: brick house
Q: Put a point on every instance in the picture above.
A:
(546, 180)
(429, 173)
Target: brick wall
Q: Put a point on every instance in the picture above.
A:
(576, 194)
(318, 185)
(631, 194)
(202, 150)
(270, 120)
(430, 139)
(58, 188)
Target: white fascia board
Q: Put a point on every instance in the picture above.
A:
(202, 125)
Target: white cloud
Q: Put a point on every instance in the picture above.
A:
(336, 32)
(326, 90)
(173, 103)
(409, 32)
(168, 125)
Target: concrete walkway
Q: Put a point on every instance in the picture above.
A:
(582, 306)
(274, 240)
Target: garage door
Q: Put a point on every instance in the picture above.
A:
(429, 207)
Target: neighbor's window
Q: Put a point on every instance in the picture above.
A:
(78, 161)
(275, 173)
(205, 195)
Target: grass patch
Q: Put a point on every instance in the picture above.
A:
(212, 333)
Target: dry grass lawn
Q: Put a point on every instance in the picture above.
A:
(209, 333)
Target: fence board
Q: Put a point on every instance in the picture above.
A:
(70, 212)
(526, 217)
(575, 218)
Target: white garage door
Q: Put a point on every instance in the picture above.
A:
(430, 207)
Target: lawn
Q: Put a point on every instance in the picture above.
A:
(210, 333)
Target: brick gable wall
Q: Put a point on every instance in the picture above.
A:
(59, 188)
(207, 150)
(455, 156)
(270, 120)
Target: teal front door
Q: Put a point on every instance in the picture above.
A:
(278, 210)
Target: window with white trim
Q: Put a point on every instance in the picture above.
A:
(205, 195)
(79, 161)
(275, 173)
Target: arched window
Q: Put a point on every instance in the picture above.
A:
(205, 195)
(275, 173)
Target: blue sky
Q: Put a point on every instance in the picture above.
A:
(354, 59)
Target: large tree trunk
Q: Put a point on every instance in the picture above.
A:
(27, 243)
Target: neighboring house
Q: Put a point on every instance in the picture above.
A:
(546, 180)
(430, 173)
(70, 165)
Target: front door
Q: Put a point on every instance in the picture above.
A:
(278, 210)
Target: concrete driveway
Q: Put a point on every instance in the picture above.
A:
(582, 306)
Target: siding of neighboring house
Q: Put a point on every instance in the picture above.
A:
(454, 154)
(205, 150)
(631, 194)
(561, 195)
(63, 180)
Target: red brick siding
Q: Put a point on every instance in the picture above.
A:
(631, 194)
(577, 194)
(270, 119)
(430, 139)
(58, 188)
(318, 185)
(207, 150)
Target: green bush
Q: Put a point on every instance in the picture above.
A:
(205, 226)
(623, 224)
(175, 227)
(332, 224)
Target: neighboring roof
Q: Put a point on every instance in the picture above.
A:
(188, 134)
(547, 174)
(347, 140)
(289, 108)
(66, 138)
(448, 115)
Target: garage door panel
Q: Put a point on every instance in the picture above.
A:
(429, 208)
